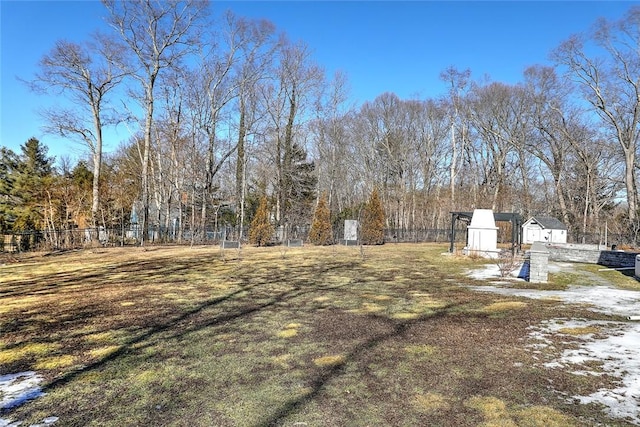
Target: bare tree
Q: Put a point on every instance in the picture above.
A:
(255, 62)
(432, 137)
(168, 157)
(458, 85)
(331, 139)
(550, 116)
(399, 146)
(158, 34)
(497, 114)
(85, 74)
(218, 88)
(610, 83)
(296, 88)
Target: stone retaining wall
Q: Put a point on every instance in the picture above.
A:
(541, 253)
(591, 256)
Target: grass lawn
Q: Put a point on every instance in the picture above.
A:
(313, 336)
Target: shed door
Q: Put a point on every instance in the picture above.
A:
(533, 234)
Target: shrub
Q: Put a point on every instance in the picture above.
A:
(372, 221)
(261, 229)
(321, 232)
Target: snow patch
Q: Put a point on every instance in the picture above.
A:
(49, 421)
(615, 347)
(492, 271)
(16, 389)
(603, 299)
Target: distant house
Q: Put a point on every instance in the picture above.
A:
(544, 229)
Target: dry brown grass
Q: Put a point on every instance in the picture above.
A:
(323, 336)
(582, 330)
(430, 402)
(331, 360)
(501, 306)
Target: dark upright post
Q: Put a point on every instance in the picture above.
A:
(453, 231)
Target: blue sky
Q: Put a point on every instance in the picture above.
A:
(398, 47)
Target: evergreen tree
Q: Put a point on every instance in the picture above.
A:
(81, 180)
(321, 230)
(261, 229)
(24, 181)
(34, 158)
(299, 188)
(372, 221)
(8, 167)
(33, 175)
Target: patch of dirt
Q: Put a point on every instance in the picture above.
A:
(337, 325)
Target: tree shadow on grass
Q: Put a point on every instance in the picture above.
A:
(327, 374)
(97, 277)
(190, 320)
(255, 291)
(51, 306)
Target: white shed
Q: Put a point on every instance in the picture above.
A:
(544, 229)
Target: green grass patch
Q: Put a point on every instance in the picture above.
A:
(102, 352)
(421, 351)
(29, 350)
(561, 281)
(542, 416)
(623, 279)
(55, 363)
(288, 333)
(494, 410)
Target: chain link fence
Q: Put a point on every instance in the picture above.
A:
(81, 238)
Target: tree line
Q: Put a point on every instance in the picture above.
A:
(225, 111)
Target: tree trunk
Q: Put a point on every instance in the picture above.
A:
(145, 163)
(97, 164)
(240, 154)
(630, 183)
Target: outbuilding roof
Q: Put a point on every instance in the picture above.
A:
(548, 222)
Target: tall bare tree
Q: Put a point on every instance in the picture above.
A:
(215, 81)
(550, 116)
(295, 89)
(159, 34)
(256, 57)
(167, 164)
(497, 114)
(432, 138)
(458, 83)
(85, 74)
(331, 138)
(610, 83)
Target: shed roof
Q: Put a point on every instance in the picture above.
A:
(548, 222)
(497, 216)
